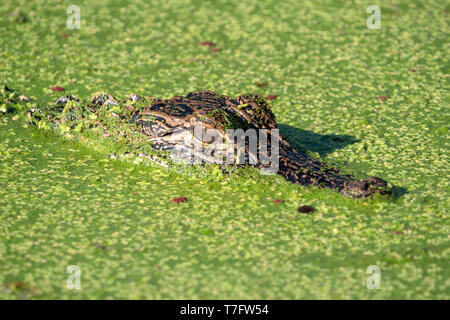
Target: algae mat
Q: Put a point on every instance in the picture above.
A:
(374, 102)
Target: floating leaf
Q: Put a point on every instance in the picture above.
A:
(207, 43)
(179, 200)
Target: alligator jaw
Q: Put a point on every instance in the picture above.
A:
(298, 167)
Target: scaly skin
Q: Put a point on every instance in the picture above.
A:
(251, 111)
(160, 119)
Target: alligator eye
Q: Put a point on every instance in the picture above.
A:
(135, 117)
